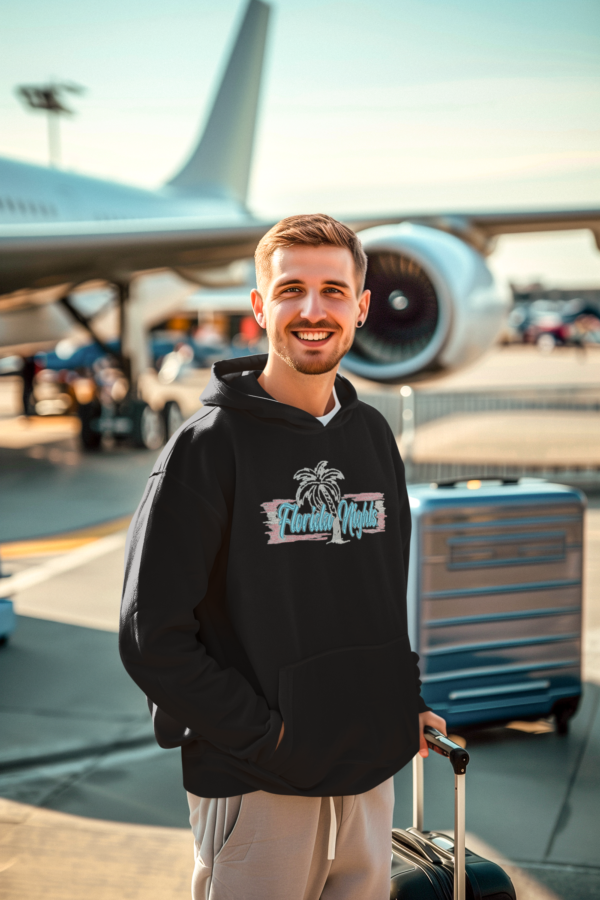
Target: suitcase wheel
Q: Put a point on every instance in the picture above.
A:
(563, 711)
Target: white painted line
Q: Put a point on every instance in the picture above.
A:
(64, 563)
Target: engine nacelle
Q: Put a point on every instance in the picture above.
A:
(435, 305)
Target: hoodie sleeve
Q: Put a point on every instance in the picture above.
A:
(405, 531)
(173, 542)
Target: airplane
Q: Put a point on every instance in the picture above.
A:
(435, 305)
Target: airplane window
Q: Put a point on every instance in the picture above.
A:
(10, 205)
(32, 208)
(22, 206)
(1, 203)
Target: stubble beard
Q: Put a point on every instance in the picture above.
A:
(318, 366)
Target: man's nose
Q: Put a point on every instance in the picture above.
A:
(312, 306)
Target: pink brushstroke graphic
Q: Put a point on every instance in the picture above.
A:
(271, 507)
(378, 498)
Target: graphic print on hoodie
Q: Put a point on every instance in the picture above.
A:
(266, 582)
(332, 517)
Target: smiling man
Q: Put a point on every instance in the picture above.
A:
(264, 607)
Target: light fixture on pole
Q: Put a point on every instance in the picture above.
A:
(50, 97)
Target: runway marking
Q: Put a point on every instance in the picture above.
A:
(62, 543)
(37, 574)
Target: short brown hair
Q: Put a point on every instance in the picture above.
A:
(309, 231)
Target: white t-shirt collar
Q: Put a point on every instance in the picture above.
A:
(326, 419)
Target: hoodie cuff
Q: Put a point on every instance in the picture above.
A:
(261, 751)
(271, 739)
(423, 706)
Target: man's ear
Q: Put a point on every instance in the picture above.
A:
(259, 308)
(363, 305)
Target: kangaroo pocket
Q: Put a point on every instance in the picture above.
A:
(353, 706)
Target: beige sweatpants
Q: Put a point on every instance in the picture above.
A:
(269, 847)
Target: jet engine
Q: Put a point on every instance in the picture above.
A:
(435, 305)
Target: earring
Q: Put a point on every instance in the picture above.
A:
(360, 323)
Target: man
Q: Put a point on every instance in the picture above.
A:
(264, 610)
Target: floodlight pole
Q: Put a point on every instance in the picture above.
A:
(54, 138)
(49, 97)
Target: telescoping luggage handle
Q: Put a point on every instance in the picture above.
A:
(459, 759)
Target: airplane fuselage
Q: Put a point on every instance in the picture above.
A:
(31, 194)
(36, 200)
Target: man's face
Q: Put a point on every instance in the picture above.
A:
(310, 306)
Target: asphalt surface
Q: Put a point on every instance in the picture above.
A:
(42, 495)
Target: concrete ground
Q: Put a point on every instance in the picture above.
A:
(91, 807)
(519, 365)
(537, 438)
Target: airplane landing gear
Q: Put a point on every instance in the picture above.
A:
(133, 421)
(114, 408)
(89, 414)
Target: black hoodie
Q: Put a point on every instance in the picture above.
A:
(266, 581)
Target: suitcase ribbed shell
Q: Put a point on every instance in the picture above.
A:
(495, 598)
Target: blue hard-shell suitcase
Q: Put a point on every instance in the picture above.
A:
(494, 599)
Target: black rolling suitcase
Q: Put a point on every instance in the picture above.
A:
(424, 864)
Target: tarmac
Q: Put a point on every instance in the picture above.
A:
(91, 807)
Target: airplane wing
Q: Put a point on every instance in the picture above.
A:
(479, 229)
(39, 256)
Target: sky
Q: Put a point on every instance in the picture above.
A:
(367, 107)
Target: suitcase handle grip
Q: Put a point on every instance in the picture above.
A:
(458, 756)
(452, 482)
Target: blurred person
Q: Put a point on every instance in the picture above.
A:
(584, 330)
(270, 635)
(28, 381)
(208, 335)
(250, 330)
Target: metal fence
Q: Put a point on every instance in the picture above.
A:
(426, 406)
(429, 406)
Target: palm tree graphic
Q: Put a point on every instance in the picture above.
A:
(318, 486)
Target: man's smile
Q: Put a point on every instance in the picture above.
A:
(313, 338)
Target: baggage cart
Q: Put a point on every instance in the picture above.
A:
(494, 599)
(8, 620)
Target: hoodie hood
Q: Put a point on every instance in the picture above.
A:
(227, 388)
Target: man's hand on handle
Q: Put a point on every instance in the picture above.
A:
(428, 718)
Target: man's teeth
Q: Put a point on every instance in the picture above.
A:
(313, 335)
